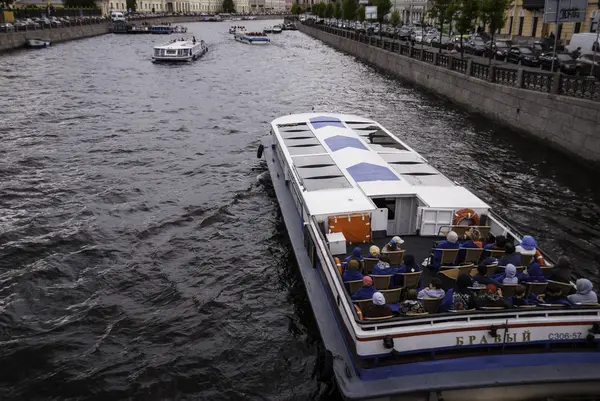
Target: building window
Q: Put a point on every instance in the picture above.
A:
(521, 20)
(534, 28)
(578, 27)
(559, 33)
(510, 24)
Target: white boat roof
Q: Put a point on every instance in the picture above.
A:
(342, 161)
(180, 44)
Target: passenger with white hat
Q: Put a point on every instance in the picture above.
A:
(393, 245)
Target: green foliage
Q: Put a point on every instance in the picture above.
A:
(383, 8)
(349, 9)
(131, 4)
(395, 18)
(329, 10)
(492, 13)
(360, 13)
(228, 6)
(337, 11)
(296, 9)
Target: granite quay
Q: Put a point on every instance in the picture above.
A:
(562, 111)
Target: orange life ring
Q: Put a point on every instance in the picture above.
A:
(358, 312)
(539, 258)
(466, 214)
(338, 264)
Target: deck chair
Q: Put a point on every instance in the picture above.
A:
(460, 230)
(466, 269)
(526, 260)
(547, 271)
(368, 265)
(392, 296)
(590, 305)
(410, 280)
(520, 269)
(396, 257)
(484, 231)
(508, 290)
(492, 308)
(448, 278)
(353, 286)
(382, 282)
(527, 307)
(377, 318)
(491, 270)
(564, 288)
(473, 255)
(432, 305)
(364, 304)
(416, 314)
(496, 253)
(448, 256)
(535, 288)
(461, 311)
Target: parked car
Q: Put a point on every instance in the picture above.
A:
(562, 61)
(475, 46)
(498, 50)
(584, 65)
(435, 42)
(404, 33)
(522, 55)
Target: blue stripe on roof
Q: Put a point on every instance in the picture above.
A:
(340, 142)
(371, 172)
(324, 121)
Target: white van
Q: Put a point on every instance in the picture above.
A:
(117, 16)
(587, 42)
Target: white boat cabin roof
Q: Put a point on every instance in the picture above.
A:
(342, 161)
(179, 44)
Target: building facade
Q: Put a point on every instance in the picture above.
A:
(411, 11)
(148, 6)
(525, 19)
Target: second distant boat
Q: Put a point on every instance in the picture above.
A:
(256, 38)
(277, 29)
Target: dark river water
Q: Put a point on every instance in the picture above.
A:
(140, 257)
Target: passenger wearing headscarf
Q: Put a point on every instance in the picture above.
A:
(534, 274)
(411, 305)
(433, 291)
(451, 242)
(491, 297)
(374, 252)
(367, 290)
(527, 246)
(510, 275)
(510, 256)
(585, 293)
(352, 271)
(383, 267)
(356, 254)
(460, 297)
(379, 308)
(562, 271)
(473, 241)
(393, 245)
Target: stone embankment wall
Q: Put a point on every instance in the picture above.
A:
(14, 40)
(569, 124)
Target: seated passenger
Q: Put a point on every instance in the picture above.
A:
(433, 291)
(393, 245)
(379, 308)
(374, 252)
(409, 265)
(510, 256)
(562, 271)
(356, 253)
(383, 268)
(491, 298)
(411, 305)
(451, 242)
(352, 271)
(534, 274)
(460, 297)
(367, 290)
(510, 275)
(498, 245)
(481, 276)
(473, 241)
(585, 293)
(553, 296)
(519, 299)
(527, 246)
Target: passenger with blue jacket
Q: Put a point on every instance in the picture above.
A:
(534, 274)
(367, 290)
(409, 266)
(356, 253)
(451, 242)
(383, 267)
(481, 276)
(510, 257)
(498, 245)
(352, 271)
(473, 241)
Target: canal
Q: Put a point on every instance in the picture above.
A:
(141, 258)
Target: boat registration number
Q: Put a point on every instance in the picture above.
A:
(565, 336)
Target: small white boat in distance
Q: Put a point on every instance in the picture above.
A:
(180, 29)
(277, 28)
(234, 29)
(253, 38)
(38, 43)
(179, 50)
(268, 29)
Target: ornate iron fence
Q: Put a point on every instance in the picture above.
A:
(506, 76)
(443, 60)
(481, 71)
(537, 81)
(427, 56)
(584, 87)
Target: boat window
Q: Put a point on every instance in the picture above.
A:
(291, 142)
(309, 245)
(317, 183)
(306, 150)
(319, 172)
(313, 161)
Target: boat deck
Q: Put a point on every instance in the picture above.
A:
(415, 245)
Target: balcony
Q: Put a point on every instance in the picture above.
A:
(533, 4)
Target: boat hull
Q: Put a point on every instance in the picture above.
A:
(505, 377)
(175, 60)
(257, 40)
(38, 43)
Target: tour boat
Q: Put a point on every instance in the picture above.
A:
(162, 29)
(344, 181)
(268, 29)
(234, 29)
(179, 29)
(38, 43)
(253, 38)
(179, 50)
(276, 29)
